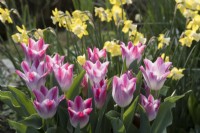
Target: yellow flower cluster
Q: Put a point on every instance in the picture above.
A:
(176, 73)
(75, 23)
(163, 40)
(113, 47)
(190, 10)
(117, 13)
(104, 15)
(5, 15)
(22, 36)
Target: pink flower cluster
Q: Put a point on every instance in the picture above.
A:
(96, 73)
(36, 67)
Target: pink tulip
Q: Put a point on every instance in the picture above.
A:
(34, 76)
(155, 73)
(123, 89)
(99, 92)
(151, 106)
(131, 52)
(46, 101)
(96, 72)
(79, 111)
(96, 54)
(64, 76)
(54, 62)
(34, 50)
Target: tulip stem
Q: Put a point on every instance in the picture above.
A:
(122, 112)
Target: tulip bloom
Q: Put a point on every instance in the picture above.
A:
(96, 72)
(96, 54)
(131, 52)
(46, 101)
(155, 73)
(123, 89)
(151, 106)
(99, 92)
(79, 111)
(54, 62)
(34, 76)
(64, 76)
(34, 50)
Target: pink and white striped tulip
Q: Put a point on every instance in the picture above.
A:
(34, 50)
(96, 54)
(34, 76)
(54, 62)
(150, 105)
(79, 111)
(131, 52)
(99, 93)
(64, 76)
(46, 101)
(155, 73)
(123, 89)
(96, 71)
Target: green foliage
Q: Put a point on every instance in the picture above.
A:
(117, 124)
(74, 90)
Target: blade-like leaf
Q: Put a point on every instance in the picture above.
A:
(74, 89)
(129, 113)
(144, 121)
(22, 99)
(20, 128)
(34, 121)
(8, 98)
(117, 124)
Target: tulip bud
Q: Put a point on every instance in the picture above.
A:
(155, 73)
(132, 52)
(79, 111)
(123, 89)
(96, 54)
(151, 106)
(46, 101)
(96, 71)
(64, 76)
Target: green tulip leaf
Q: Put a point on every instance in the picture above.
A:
(74, 89)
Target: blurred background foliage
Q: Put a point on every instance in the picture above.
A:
(157, 16)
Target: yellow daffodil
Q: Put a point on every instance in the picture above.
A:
(192, 34)
(56, 16)
(163, 40)
(104, 15)
(186, 41)
(128, 25)
(78, 28)
(81, 59)
(77, 14)
(38, 34)
(137, 37)
(118, 14)
(176, 73)
(195, 23)
(113, 48)
(21, 37)
(164, 57)
(5, 15)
